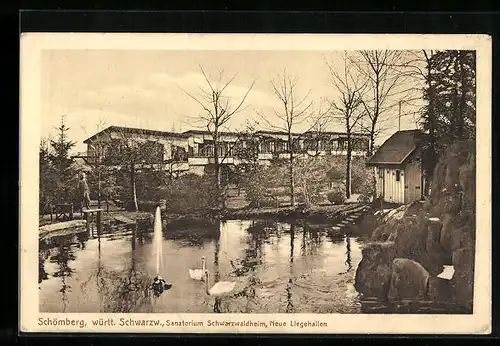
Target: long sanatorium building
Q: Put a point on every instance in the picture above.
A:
(193, 151)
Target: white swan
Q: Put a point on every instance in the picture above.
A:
(219, 289)
(198, 274)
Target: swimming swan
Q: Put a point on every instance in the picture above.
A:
(219, 289)
(198, 274)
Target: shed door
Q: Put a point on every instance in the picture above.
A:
(394, 185)
(388, 185)
(413, 186)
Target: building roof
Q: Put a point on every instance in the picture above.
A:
(397, 148)
(312, 133)
(136, 131)
(188, 133)
(206, 132)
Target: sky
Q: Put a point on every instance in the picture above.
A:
(148, 89)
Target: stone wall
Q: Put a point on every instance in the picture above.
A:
(412, 244)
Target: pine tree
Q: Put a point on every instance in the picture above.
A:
(450, 93)
(62, 163)
(47, 176)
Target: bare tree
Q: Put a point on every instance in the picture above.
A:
(128, 150)
(386, 85)
(295, 111)
(218, 109)
(419, 67)
(347, 106)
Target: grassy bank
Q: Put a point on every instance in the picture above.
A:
(322, 214)
(316, 213)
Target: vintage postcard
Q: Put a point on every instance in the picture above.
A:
(230, 183)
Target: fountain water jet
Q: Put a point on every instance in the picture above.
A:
(159, 284)
(157, 240)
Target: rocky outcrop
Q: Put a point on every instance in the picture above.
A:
(408, 281)
(425, 237)
(439, 289)
(374, 272)
(463, 279)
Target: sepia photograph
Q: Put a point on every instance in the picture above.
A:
(191, 181)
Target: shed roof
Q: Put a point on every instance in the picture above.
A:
(397, 148)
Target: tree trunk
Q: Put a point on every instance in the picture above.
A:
(291, 175)
(216, 161)
(348, 167)
(99, 188)
(372, 139)
(133, 187)
(217, 169)
(292, 183)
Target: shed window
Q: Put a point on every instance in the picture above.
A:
(398, 175)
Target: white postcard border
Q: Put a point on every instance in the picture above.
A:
(33, 43)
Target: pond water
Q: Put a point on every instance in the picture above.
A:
(281, 268)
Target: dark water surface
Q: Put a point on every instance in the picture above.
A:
(281, 268)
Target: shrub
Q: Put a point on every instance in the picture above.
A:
(362, 180)
(189, 193)
(336, 173)
(336, 196)
(365, 198)
(264, 184)
(147, 206)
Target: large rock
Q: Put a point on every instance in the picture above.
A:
(463, 279)
(373, 274)
(452, 203)
(411, 240)
(463, 259)
(408, 281)
(436, 253)
(451, 178)
(433, 241)
(446, 231)
(462, 237)
(439, 289)
(468, 183)
(386, 231)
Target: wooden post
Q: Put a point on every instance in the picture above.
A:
(88, 224)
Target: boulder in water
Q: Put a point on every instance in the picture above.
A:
(408, 281)
(439, 289)
(373, 274)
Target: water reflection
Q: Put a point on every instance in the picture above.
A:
(280, 267)
(289, 306)
(42, 273)
(62, 257)
(216, 258)
(348, 252)
(258, 233)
